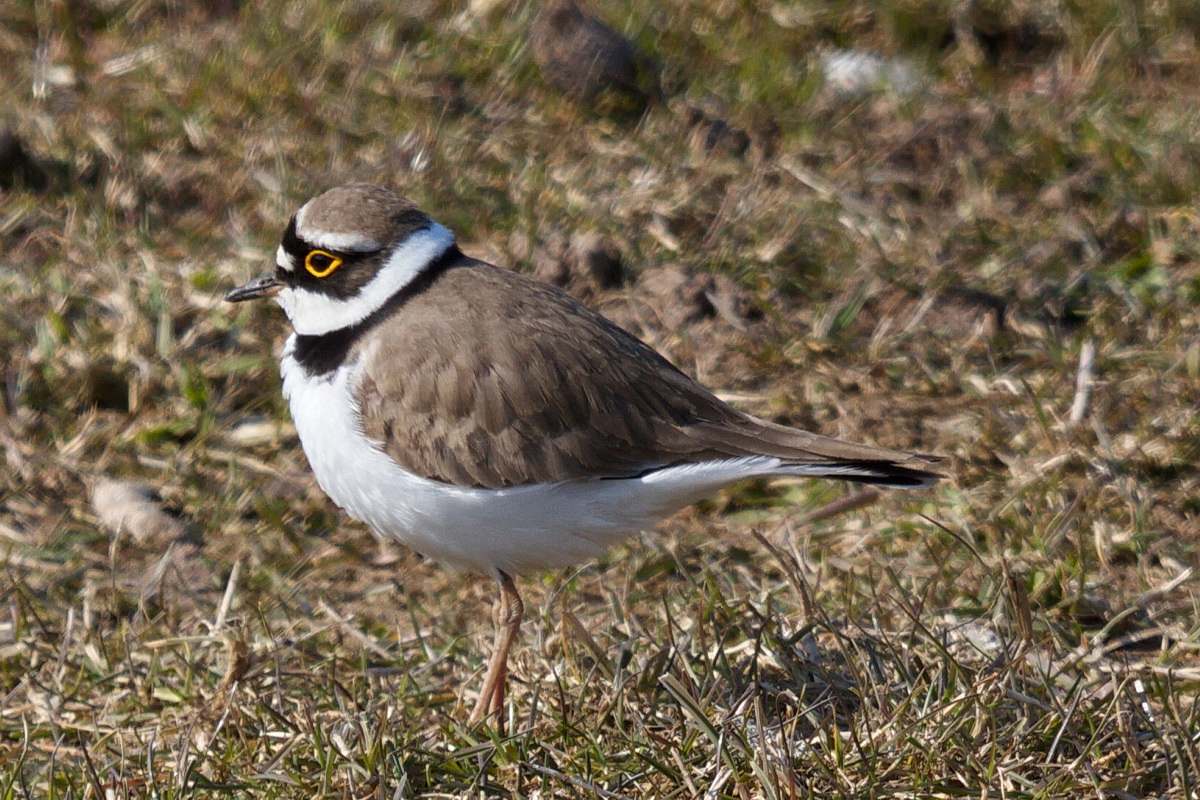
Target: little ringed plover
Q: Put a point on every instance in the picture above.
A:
(491, 421)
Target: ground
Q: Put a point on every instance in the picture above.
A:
(962, 228)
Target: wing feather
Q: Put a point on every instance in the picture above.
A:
(489, 379)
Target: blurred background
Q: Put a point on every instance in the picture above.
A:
(955, 226)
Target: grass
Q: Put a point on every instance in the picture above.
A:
(921, 270)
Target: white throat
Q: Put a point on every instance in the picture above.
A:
(313, 313)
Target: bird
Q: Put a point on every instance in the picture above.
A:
(492, 422)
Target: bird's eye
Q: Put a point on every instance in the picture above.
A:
(319, 263)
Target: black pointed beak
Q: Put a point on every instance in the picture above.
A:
(266, 286)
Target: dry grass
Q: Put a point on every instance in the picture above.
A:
(1000, 266)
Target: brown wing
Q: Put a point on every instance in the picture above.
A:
(490, 379)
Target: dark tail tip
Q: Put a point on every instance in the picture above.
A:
(891, 475)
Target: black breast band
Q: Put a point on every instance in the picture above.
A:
(322, 353)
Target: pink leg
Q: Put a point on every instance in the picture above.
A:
(508, 612)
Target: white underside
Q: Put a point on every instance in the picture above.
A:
(515, 530)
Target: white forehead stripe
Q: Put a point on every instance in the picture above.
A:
(342, 242)
(283, 260)
(301, 212)
(346, 242)
(313, 313)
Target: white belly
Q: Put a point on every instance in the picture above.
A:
(514, 530)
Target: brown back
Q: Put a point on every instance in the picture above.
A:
(490, 379)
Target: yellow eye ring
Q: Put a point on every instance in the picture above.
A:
(320, 263)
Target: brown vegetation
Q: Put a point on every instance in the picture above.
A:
(995, 261)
